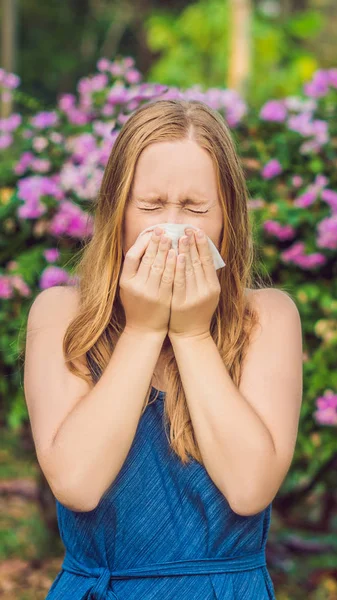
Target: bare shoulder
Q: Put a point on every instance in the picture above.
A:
(267, 298)
(63, 299)
(54, 308)
(273, 306)
(69, 293)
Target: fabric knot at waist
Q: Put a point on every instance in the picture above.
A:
(101, 588)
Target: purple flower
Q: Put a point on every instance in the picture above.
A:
(282, 232)
(326, 413)
(330, 196)
(40, 143)
(297, 181)
(53, 276)
(300, 123)
(99, 82)
(327, 233)
(52, 254)
(31, 189)
(133, 76)
(66, 102)
(20, 285)
(56, 137)
(319, 86)
(295, 254)
(40, 165)
(117, 94)
(103, 128)
(5, 140)
(10, 123)
(312, 192)
(77, 117)
(306, 199)
(274, 110)
(71, 220)
(271, 169)
(116, 69)
(5, 287)
(103, 64)
(310, 261)
(10, 80)
(24, 162)
(332, 73)
(45, 119)
(128, 62)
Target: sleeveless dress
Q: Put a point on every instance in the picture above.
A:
(162, 531)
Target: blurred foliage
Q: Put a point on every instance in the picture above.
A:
(194, 48)
(177, 42)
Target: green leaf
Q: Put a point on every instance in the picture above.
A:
(306, 24)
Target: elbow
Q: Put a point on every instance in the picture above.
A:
(66, 489)
(248, 505)
(73, 497)
(247, 509)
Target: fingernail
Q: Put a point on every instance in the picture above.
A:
(158, 231)
(200, 234)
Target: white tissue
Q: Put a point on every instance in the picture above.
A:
(176, 230)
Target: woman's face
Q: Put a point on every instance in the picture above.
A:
(174, 182)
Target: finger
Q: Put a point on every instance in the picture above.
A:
(191, 283)
(134, 255)
(169, 270)
(206, 258)
(179, 287)
(150, 252)
(153, 262)
(197, 264)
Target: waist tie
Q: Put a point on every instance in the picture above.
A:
(194, 566)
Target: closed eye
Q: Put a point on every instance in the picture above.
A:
(198, 212)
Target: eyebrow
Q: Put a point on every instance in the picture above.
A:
(156, 198)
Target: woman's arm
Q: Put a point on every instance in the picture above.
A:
(82, 439)
(247, 435)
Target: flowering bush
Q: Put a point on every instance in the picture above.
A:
(288, 150)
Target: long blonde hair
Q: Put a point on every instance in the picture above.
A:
(100, 319)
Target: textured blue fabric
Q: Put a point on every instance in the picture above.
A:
(162, 531)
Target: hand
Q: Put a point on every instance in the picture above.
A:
(196, 289)
(146, 283)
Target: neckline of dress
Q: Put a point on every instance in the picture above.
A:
(161, 393)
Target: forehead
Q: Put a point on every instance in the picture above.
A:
(175, 167)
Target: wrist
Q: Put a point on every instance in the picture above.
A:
(176, 337)
(139, 332)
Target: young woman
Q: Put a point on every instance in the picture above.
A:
(164, 396)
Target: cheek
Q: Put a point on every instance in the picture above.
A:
(131, 237)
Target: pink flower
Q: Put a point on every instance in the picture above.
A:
(297, 181)
(5, 287)
(133, 76)
(51, 254)
(282, 232)
(103, 64)
(326, 413)
(53, 276)
(45, 119)
(274, 110)
(271, 169)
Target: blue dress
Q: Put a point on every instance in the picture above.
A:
(162, 531)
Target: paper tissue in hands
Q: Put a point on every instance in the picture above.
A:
(176, 230)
